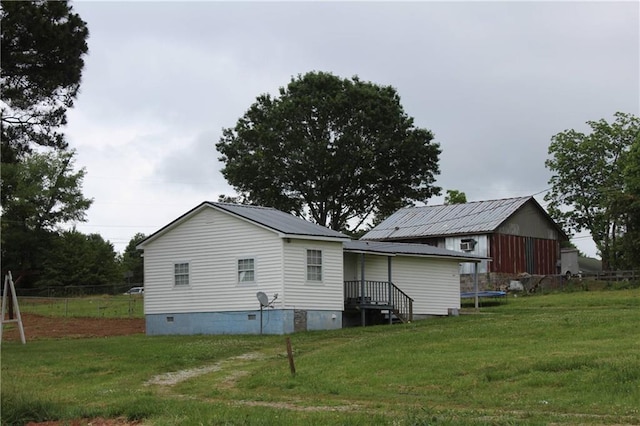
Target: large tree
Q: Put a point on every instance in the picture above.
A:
(42, 49)
(629, 247)
(588, 189)
(43, 44)
(336, 151)
(45, 194)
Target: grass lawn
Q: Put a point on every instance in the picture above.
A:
(121, 306)
(560, 358)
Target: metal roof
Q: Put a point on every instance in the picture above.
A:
(268, 217)
(391, 248)
(469, 218)
(278, 220)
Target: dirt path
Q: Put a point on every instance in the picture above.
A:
(41, 327)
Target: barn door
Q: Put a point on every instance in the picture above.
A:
(530, 255)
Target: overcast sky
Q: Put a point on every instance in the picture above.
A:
(494, 81)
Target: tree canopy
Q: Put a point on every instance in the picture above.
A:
(45, 194)
(76, 259)
(132, 260)
(43, 44)
(336, 151)
(595, 184)
(455, 197)
(42, 49)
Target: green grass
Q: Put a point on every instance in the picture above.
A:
(559, 358)
(123, 306)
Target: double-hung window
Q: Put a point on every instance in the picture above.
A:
(181, 274)
(246, 270)
(314, 265)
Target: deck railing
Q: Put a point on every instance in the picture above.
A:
(379, 295)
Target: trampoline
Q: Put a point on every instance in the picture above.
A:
(485, 293)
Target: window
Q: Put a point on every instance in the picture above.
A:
(181, 273)
(314, 265)
(246, 270)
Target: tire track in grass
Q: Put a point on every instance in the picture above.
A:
(170, 379)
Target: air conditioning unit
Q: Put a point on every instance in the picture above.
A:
(467, 245)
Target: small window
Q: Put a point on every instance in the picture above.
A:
(181, 274)
(246, 270)
(314, 265)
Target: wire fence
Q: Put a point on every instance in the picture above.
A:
(77, 290)
(123, 306)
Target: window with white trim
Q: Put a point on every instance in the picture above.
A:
(314, 265)
(246, 270)
(181, 274)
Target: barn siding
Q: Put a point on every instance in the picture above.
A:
(212, 242)
(433, 284)
(481, 249)
(528, 221)
(515, 254)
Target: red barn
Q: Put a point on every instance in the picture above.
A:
(516, 233)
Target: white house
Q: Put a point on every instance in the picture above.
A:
(429, 276)
(204, 270)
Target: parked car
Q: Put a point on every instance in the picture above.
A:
(135, 290)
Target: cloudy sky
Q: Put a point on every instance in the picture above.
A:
(492, 80)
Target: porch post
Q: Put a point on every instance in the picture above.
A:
(389, 285)
(362, 310)
(475, 281)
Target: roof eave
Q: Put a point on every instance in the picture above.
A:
(313, 237)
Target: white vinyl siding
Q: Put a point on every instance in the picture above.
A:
(433, 284)
(314, 265)
(213, 242)
(299, 293)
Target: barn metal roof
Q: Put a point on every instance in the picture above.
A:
(393, 249)
(469, 218)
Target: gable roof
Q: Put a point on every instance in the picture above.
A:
(285, 224)
(408, 249)
(450, 219)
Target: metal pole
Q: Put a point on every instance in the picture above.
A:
(362, 310)
(389, 285)
(475, 281)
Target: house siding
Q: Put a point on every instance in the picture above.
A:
(433, 284)
(211, 242)
(309, 295)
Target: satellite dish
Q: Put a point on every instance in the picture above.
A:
(262, 298)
